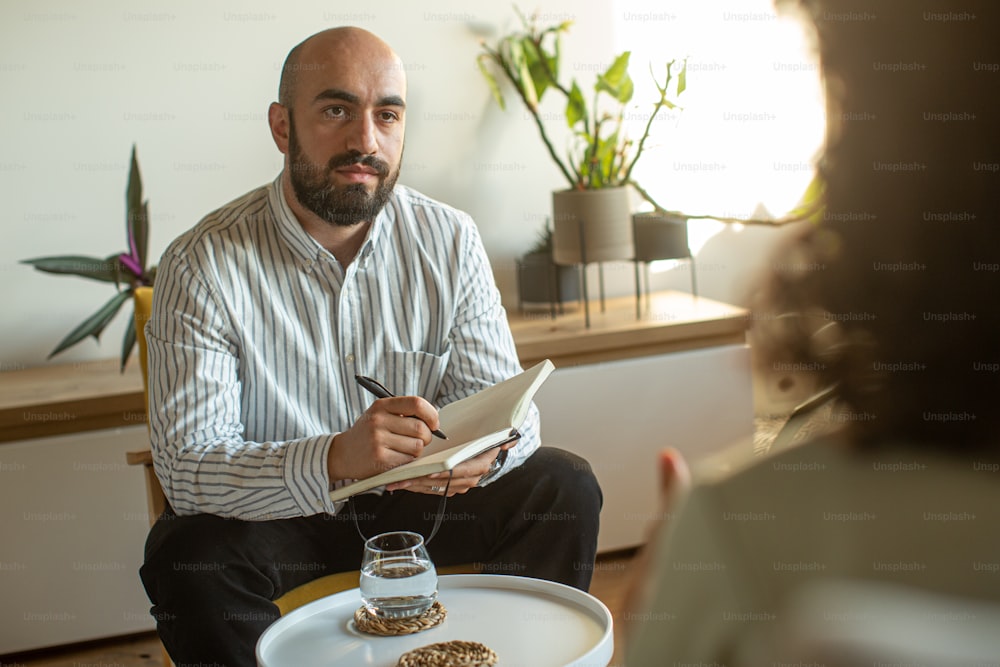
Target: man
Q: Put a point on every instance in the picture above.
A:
(262, 315)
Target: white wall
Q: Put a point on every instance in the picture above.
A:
(189, 82)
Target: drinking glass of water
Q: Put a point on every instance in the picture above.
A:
(398, 579)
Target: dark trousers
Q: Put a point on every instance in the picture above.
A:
(212, 580)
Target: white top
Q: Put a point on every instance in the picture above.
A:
(743, 548)
(257, 332)
(525, 621)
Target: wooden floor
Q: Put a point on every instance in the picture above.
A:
(611, 577)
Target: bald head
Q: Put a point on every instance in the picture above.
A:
(326, 49)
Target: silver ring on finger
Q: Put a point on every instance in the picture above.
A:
(437, 489)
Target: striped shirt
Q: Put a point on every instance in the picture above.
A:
(257, 332)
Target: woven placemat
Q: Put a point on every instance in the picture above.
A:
(389, 627)
(449, 654)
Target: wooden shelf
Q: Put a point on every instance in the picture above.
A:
(672, 321)
(70, 398)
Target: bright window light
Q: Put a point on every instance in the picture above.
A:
(753, 116)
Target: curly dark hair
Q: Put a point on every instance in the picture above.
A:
(893, 296)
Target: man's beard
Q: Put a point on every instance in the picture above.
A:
(338, 205)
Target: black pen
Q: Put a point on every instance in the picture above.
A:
(379, 390)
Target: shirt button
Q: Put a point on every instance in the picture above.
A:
(349, 358)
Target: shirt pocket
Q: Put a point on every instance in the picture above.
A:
(416, 373)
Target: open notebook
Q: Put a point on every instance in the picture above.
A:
(474, 424)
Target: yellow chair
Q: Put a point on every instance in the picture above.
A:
(156, 500)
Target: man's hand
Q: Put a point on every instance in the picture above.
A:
(391, 432)
(466, 475)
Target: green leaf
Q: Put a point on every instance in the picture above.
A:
(605, 156)
(142, 229)
(536, 68)
(555, 57)
(682, 78)
(616, 81)
(576, 106)
(95, 324)
(618, 72)
(105, 270)
(515, 53)
(137, 212)
(128, 341)
(491, 80)
(121, 273)
(626, 90)
(524, 80)
(133, 190)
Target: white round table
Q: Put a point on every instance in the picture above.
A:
(526, 621)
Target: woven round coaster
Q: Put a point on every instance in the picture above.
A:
(390, 627)
(449, 654)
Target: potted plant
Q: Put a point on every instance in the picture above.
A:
(592, 217)
(541, 280)
(126, 270)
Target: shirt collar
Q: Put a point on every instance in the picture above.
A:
(304, 245)
(289, 229)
